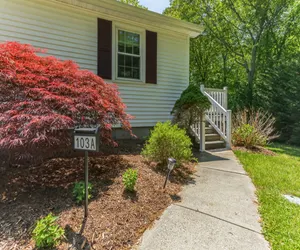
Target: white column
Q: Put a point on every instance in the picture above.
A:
(202, 88)
(202, 134)
(225, 98)
(228, 129)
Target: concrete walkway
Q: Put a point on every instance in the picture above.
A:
(218, 211)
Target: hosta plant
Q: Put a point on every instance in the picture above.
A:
(47, 233)
(129, 179)
(79, 191)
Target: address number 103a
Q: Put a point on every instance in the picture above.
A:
(85, 142)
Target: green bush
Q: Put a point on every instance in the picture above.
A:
(129, 179)
(79, 191)
(47, 233)
(167, 140)
(246, 135)
(189, 108)
(253, 128)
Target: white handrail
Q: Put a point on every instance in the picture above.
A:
(218, 116)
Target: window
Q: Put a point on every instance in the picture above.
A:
(128, 55)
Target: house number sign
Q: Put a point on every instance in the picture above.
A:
(87, 140)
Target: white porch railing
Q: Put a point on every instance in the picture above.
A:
(219, 95)
(218, 116)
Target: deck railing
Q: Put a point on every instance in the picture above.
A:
(217, 116)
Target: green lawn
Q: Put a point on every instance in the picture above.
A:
(274, 176)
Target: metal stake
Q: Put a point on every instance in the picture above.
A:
(86, 173)
(167, 178)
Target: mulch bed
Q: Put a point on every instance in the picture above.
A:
(255, 150)
(117, 219)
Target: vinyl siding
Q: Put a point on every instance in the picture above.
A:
(71, 34)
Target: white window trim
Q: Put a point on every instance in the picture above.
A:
(142, 33)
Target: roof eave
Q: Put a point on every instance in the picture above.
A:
(137, 15)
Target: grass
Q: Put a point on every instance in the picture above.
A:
(274, 176)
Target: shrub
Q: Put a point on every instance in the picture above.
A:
(47, 233)
(167, 140)
(41, 97)
(252, 128)
(246, 135)
(189, 108)
(129, 179)
(79, 191)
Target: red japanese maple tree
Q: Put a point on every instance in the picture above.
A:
(42, 97)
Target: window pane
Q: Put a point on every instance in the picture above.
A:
(136, 62)
(128, 65)
(128, 48)
(128, 61)
(128, 72)
(136, 50)
(129, 37)
(136, 74)
(121, 35)
(136, 39)
(121, 47)
(121, 71)
(121, 60)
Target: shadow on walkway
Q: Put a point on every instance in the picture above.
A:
(208, 156)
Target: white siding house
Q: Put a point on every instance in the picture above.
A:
(69, 29)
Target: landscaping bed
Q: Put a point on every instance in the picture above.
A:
(117, 218)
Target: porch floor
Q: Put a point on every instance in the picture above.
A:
(218, 211)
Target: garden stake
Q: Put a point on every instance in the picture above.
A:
(86, 173)
(171, 165)
(86, 139)
(167, 178)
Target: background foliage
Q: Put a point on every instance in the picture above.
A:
(251, 46)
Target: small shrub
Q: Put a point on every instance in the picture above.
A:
(167, 140)
(79, 191)
(246, 135)
(253, 128)
(129, 179)
(189, 108)
(47, 233)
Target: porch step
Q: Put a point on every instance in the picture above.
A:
(209, 130)
(215, 144)
(212, 137)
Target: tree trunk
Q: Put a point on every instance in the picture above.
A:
(251, 74)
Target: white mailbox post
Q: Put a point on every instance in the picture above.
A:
(86, 139)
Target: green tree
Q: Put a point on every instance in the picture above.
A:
(135, 3)
(244, 33)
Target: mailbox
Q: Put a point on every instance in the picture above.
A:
(87, 139)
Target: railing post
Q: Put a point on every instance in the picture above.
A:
(202, 133)
(228, 129)
(202, 88)
(225, 98)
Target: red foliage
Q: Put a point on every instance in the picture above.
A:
(42, 97)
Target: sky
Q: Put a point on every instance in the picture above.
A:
(155, 5)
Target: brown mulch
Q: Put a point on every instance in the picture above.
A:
(117, 219)
(255, 150)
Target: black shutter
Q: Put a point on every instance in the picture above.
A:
(151, 57)
(104, 48)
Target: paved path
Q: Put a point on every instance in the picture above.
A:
(218, 211)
